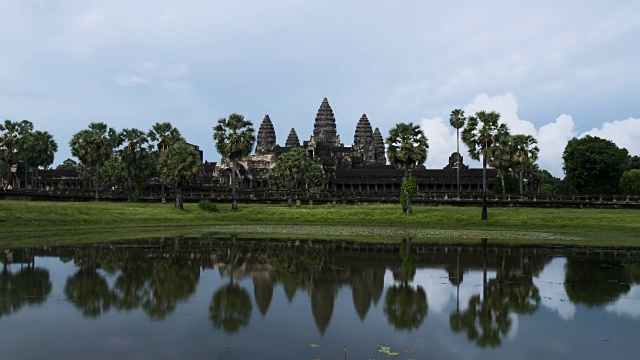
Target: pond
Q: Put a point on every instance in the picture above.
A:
(243, 299)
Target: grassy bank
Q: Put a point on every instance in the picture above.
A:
(39, 223)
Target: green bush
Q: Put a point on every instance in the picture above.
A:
(208, 206)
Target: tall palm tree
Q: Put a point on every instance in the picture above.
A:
(178, 165)
(93, 147)
(457, 120)
(481, 134)
(165, 135)
(134, 156)
(501, 156)
(12, 141)
(41, 148)
(525, 154)
(234, 138)
(407, 147)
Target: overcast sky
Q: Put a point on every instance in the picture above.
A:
(554, 69)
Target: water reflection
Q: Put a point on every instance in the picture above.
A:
(342, 290)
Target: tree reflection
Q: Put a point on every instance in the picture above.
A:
(596, 282)
(230, 308)
(487, 319)
(30, 286)
(89, 292)
(406, 307)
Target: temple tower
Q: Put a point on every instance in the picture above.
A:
(266, 137)
(378, 144)
(292, 139)
(363, 141)
(324, 128)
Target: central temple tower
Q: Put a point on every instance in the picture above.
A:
(324, 128)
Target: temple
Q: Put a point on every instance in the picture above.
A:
(361, 167)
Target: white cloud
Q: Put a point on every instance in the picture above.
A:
(553, 295)
(130, 80)
(627, 306)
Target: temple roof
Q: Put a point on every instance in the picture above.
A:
(266, 136)
(324, 128)
(363, 133)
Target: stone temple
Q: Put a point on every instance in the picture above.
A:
(361, 167)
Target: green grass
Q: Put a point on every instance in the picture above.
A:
(47, 223)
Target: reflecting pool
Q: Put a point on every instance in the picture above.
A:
(243, 299)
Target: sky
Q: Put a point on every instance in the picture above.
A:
(553, 69)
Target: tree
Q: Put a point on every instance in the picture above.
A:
(135, 157)
(630, 182)
(635, 162)
(593, 165)
(457, 120)
(68, 164)
(11, 142)
(179, 165)
(525, 155)
(481, 134)
(407, 147)
(165, 135)
(501, 157)
(94, 146)
(41, 149)
(293, 168)
(234, 138)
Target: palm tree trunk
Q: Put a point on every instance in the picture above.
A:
(234, 204)
(484, 187)
(504, 191)
(97, 181)
(458, 159)
(37, 180)
(520, 176)
(179, 205)
(163, 195)
(26, 174)
(129, 190)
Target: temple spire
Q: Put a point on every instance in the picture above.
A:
(378, 143)
(292, 139)
(266, 136)
(324, 128)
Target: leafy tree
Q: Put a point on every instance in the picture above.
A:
(93, 147)
(596, 282)
(234, 138)
(635, 162)
(405, 306)
(112, 172)
(457, 120)
(295, 167)
(481, 134)
(30, 286)
(407, 146)
(179, 165)
(164, 135)
(135, 156)
(68, 164)
(525, 155)
(630, 182)
(409, 191)
(593, 165)
(230, 308)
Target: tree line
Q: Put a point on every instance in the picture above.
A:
(133, 156)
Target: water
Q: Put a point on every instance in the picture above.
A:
(309, 300)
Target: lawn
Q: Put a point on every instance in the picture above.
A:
(48, 223)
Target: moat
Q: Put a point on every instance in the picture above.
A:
(242, 299)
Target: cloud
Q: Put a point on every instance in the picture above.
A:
(625, 133)
(553, 295)
(627, 306)
(130, 80)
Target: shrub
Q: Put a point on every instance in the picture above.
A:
(208, 206)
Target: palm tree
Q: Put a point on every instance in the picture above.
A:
(93, 147)
(134, 156)
(234, 138)
(481, 134)
(457, 120)
(525, 155)
(11, 142)
(178, 165)
(42, 148)
(165, 135)
(407, 147)
(501, 156)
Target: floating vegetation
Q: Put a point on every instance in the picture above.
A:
(386, 352)
(315, 346)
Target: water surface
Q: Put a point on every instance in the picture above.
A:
(308, 300)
